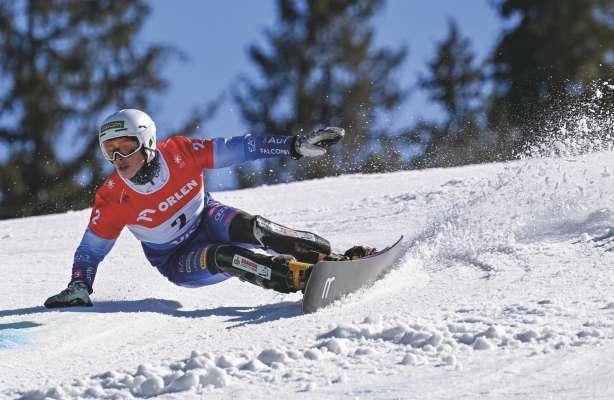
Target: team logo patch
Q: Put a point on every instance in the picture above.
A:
(250, 266)
(112, 125)
(169, 202)
(143, 215)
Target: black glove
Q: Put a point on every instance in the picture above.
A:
(77, 294)
(314, 144)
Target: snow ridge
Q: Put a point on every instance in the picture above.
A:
(400, 344)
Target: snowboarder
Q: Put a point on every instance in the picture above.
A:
(157, 192)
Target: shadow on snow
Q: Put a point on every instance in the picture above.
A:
(240, 315)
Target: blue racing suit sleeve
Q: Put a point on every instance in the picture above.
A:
(88, 255)
(239, 149)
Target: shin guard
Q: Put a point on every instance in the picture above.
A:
(265, 271)
(305, 246)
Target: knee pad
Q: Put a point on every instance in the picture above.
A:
(242, 228)
(193, 261)
(196, 268)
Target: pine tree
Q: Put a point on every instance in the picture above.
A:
(455, 83)
(64, 64)
(321, 67)
(549, 58)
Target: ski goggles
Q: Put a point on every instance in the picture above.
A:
(123, 146)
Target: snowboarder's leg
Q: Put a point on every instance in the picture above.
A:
(190, 268)
(224, 224)
(282, 273)
(303, 245)
(211, 257)
(214, 263)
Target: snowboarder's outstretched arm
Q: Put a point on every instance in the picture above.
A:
(225, 152)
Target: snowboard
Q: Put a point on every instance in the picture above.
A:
(331, 280)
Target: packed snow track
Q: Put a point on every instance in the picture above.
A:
(505, 292)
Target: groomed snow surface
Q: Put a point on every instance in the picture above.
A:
(505, 291)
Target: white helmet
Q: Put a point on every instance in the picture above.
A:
(130, 122)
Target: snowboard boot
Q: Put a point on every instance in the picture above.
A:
(282, 273)
(353, 253)
(357, 252)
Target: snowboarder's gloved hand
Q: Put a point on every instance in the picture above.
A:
(314, 144)
(76, 294)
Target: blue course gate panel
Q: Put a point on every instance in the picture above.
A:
(15, 334)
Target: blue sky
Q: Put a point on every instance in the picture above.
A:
(215, 36)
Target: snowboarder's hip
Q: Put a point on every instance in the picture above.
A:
(186, 264)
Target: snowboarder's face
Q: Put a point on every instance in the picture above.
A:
(126, 166)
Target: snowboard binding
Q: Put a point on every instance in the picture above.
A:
(357, 252)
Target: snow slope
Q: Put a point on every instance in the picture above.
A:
(501, 294)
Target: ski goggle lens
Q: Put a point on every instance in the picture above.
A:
(124, 147)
